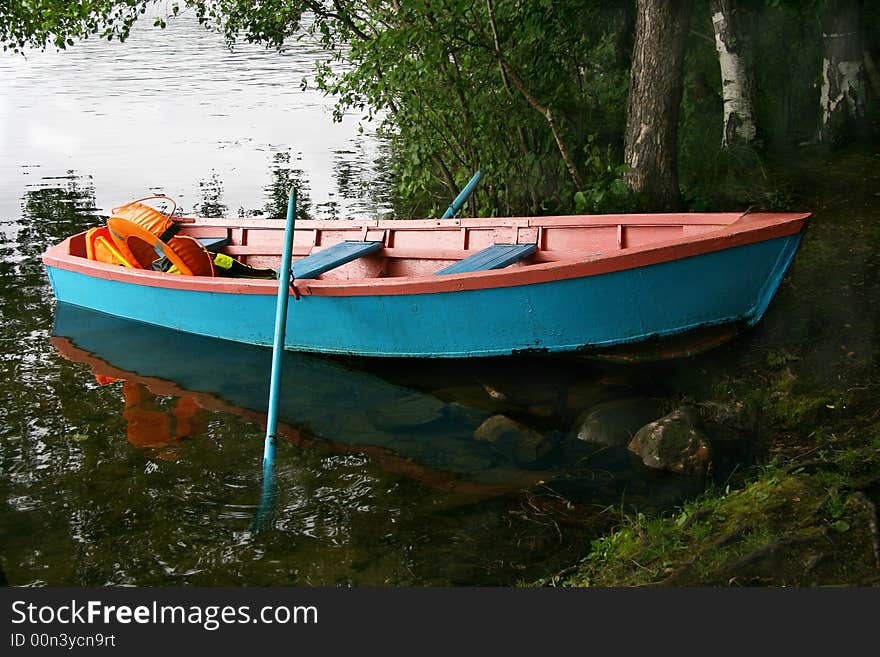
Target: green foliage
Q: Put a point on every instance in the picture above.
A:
(459, 85)
(715, 178)
(606, 191)
(38, 23)
(789, 47)
(450, 104)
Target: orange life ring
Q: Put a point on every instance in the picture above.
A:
(141, 234)
(150, 424)
(100, 247)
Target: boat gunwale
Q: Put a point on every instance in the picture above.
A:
(554, 221)
(743, 230)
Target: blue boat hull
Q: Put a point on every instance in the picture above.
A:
(719, 287)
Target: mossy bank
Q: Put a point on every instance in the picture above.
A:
(807, 513)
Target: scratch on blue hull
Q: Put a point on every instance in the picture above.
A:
(735, 284)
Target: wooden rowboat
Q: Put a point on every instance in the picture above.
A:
(449, 288)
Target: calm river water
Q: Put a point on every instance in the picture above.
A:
(131, 455)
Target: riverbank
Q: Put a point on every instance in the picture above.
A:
(808, 514)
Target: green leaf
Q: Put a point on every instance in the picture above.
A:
(840, 526)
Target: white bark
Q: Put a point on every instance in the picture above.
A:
(842, 89)
(842, 94)
(737, 88)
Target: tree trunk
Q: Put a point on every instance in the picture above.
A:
(733, 43)
(842, 100)
(873, 73)
(655, 89)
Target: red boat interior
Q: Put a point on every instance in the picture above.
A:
(407, 248)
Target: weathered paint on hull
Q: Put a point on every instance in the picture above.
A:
(731, 285)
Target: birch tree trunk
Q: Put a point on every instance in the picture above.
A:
(842, 98)
(733, 43)
(655, 89)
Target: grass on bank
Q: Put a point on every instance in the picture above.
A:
(808, 515)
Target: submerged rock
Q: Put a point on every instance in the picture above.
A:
(730, 422)
(410, 411)
(541, 410)
(613, 423)
(585, 394)
(495, 393)
(524, 383)
(473, 396)
(675, 442)
(513, 439)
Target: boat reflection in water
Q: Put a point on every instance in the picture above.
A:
(173, 382)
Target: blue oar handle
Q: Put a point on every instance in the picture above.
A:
(280, 330)
(263, 519)
(463, 195)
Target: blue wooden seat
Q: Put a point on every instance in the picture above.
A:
(334, 256)
(213, 244)
(493, 257)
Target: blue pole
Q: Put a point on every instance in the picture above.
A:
(463, 196)
(268, 493)
(280, 329)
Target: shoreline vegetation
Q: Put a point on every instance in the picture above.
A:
(808, 514)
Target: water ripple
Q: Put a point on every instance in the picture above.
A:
(151, 111)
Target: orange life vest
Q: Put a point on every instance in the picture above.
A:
(141, 234)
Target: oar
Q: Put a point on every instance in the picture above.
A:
(263, 519)
(265, 511)
(463, 196)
